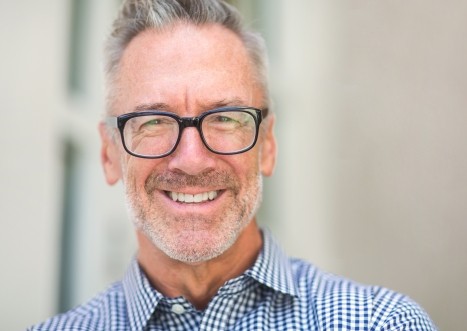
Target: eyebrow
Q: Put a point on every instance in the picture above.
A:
(224, 103)
(152, 106)
(204, 106)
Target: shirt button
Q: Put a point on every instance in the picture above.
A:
(178, 309)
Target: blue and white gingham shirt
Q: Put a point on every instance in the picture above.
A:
(276, 293)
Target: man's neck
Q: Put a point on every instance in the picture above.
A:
(198, 283)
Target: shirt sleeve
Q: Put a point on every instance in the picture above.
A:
(399, 313)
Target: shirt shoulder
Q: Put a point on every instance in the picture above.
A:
(103, 312)
(338, 303)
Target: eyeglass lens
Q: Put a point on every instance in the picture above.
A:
(223, 132)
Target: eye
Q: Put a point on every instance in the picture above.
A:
(159, 122)
(229, 120)
(224, 119)
(152, 122)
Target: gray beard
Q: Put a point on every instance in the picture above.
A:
(186, 247)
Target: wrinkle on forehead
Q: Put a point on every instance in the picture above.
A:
(205, 105)
(183, 63)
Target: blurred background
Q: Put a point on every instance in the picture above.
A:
(370, 98)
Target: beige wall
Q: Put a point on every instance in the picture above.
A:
(39, 114)
(372, 115)
(31, 92)
(371, 180)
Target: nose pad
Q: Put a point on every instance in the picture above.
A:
(188, 122)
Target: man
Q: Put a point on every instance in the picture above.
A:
(189, 134)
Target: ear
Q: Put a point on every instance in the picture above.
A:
(268, 147)
(109, 156)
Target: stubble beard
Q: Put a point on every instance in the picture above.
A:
(193, 238)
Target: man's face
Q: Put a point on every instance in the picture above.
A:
(188, 70)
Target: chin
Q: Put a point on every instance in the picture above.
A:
(195, 246)
(192, 245)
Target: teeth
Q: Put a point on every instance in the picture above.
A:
(198, 197)
(190, 198)
(212, 195)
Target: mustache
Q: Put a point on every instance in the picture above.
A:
(172, 181)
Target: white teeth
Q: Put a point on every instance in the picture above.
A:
(198, 197)
(212, 195)
(181, 197)
(190, 198)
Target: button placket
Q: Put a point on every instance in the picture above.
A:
(178, 309)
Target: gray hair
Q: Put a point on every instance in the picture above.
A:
(138, 15)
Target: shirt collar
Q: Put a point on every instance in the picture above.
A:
(141, 297)
(273, 268)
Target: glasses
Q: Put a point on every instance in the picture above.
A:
(155, 134)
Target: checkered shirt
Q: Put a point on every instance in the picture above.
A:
(276, 293)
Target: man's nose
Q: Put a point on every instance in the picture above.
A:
(191, 156)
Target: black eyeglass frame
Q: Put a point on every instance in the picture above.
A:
(186, 122)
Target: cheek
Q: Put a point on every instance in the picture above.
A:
(246, 166)
(137, 170)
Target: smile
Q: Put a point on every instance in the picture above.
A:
(192, 198)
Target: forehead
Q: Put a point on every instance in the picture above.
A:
(185, 65)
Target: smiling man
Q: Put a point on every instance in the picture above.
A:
(189, 134)
(192, 108)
